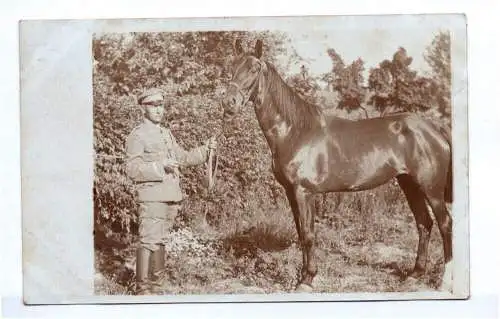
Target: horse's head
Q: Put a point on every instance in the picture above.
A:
(246, 72)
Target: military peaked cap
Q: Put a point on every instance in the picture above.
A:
(151, 96)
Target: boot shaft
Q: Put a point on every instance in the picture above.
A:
(157, 261)
(143, 266)
(157, 273)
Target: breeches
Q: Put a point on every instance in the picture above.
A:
(155, 221)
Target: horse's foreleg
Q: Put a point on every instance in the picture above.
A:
(296, 213)
(305, 207)
(312, 268)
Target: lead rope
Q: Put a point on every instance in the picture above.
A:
(211, 171)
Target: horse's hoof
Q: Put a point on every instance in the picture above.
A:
(416, 273)
(303, 288)
(411, 280)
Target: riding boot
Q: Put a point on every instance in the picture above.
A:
(142, 271)
(157, 261)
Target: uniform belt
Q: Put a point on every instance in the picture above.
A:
(173, 202)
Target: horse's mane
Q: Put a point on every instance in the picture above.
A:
(295, 111)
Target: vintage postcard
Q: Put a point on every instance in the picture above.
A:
(245, 159)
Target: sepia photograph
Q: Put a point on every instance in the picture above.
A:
(270, 162)
(274, 158)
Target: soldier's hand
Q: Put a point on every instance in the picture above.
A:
(169, 165)
(212, 143)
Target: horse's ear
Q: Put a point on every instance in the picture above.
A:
(258, 49)
(238, 48)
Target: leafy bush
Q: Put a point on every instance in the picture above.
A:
(190, 68)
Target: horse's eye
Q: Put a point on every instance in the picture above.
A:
(254, 68)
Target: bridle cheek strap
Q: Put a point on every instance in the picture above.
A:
(256, 82)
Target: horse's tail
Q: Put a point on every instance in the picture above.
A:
(448, 191)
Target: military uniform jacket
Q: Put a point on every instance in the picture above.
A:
(147, 146)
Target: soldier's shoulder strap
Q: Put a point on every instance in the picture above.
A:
(137, 129)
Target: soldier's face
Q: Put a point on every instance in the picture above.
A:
(155, 112)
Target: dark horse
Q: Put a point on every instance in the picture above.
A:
(313, 153)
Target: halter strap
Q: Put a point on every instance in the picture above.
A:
(246, 97)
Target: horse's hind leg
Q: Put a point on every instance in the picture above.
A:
(444, 221)
(435, 193)
(417, 202)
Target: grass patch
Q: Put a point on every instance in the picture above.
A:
(365, 242)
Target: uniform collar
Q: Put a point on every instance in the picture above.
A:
(151, 124)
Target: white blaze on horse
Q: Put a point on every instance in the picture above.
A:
(313, 153)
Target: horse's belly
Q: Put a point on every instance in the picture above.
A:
(327, 167)
(371, 170)
(355, 174)
(364, 180)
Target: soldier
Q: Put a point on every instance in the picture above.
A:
(153, 161)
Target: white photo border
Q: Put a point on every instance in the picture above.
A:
(57, 161)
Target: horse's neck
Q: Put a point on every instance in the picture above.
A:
(277, 130)
(273, 126)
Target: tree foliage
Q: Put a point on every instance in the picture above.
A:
(438, 57)
(347, 81)
(395, 87)
(304, 84)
